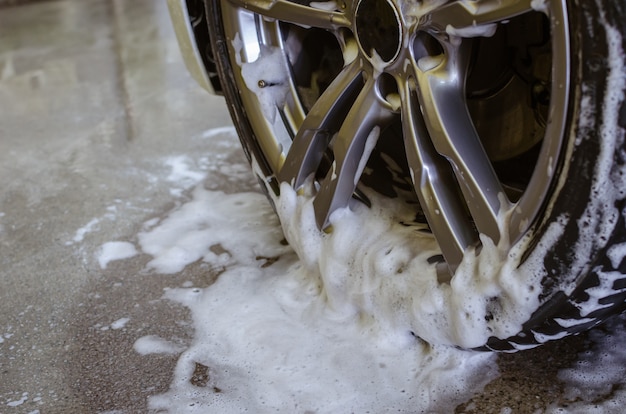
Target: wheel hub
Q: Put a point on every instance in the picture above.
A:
(378, 29)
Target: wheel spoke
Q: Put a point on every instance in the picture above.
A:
(292, 12)
(441, 95)
(436, 188)
(351, 148)
(471, 15)
(324, 118)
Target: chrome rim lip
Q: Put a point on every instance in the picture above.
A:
(255, 30)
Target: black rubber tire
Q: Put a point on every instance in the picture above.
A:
(571, 272)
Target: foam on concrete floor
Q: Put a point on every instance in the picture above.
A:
(102, 134)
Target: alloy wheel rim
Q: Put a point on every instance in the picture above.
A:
(410, 63)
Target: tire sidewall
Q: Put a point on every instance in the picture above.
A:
(586, 199)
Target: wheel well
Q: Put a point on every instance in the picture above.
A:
(198, 20)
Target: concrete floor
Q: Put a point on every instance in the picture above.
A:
(93, 99)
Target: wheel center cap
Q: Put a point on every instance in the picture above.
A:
(378, 29)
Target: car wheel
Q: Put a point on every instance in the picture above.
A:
(500, 121)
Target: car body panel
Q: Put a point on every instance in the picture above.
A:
(185, 35)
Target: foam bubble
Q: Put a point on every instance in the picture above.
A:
(269, 338)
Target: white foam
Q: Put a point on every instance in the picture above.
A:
(115, 250)
(120, 323)
(212, 228)
(370, 143)
(427, 63)
(210, 133)
(153, 344)
(616, 254)
(389, 278)
(596, 382)
(17, 403)
(334, 329)
(273, 341)
(324, 5)
(540, 6)
(87, 228)
(485, 30)
(182, 173)
(93, 225)
(267, 78)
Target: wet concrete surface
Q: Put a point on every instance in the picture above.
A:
(93, 98)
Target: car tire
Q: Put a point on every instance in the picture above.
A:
(576, 145)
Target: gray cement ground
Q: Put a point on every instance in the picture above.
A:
(93, 96)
